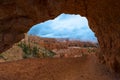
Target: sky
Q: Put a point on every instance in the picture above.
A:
(65, 26)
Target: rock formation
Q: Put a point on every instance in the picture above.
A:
(17, 16)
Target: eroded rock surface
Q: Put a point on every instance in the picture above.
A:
(17, 16)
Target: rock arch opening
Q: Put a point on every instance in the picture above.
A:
(67, 30)
(102, 15)
(71, 26)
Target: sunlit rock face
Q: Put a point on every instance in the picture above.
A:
(17, 16)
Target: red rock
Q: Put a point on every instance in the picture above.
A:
(17, 16)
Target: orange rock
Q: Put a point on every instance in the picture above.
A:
(17, 16)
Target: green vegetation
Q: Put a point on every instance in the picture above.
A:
(34, 51)
(1, 56)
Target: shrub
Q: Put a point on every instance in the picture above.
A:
(1, 56)
(26, 49)
(34, 51)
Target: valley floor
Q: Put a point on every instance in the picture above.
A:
(84, 68)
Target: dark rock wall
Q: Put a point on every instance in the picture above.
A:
(17, 16)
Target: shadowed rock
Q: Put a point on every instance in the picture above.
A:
(17, 16)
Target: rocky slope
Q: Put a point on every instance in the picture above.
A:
(17, 16)
(25, 49)
(34, 46)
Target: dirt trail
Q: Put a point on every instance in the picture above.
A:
(84, 68)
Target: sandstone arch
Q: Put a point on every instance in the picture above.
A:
(17, 16)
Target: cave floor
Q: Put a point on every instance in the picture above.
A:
(84, 68)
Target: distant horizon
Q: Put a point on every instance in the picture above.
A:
(69, 26)
(62, 38)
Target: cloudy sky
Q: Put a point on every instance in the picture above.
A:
(65, 26)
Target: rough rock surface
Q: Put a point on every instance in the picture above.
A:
(17, 16)
(56, 69)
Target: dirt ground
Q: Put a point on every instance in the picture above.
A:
(84, 68)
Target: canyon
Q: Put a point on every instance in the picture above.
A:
(39, 47)
(18, 16)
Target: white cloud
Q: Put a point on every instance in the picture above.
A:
(65, 26)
